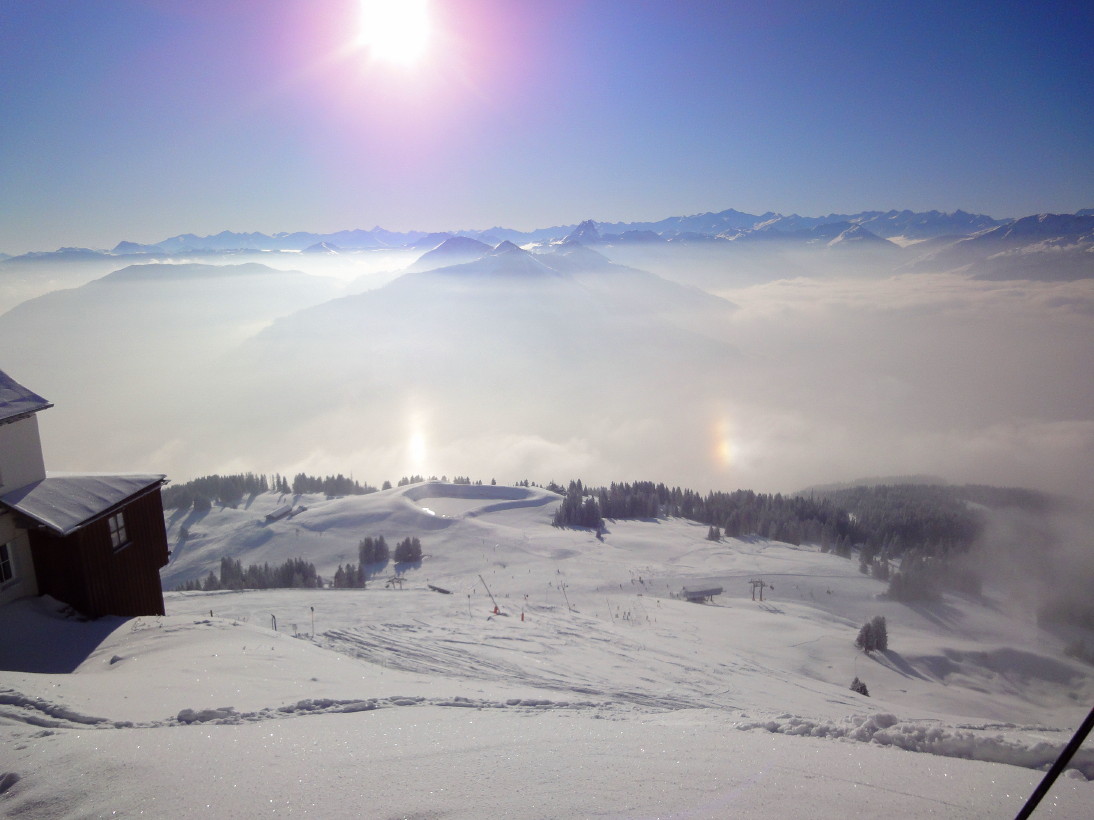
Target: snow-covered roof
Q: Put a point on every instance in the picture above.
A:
(16, 401)
(65, 503)
(702, 592)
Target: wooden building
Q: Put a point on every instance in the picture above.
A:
(96, 542)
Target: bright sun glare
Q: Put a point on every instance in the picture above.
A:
(395, 31)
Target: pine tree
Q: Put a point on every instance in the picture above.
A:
(880, 569)
(408, 551)
(881, 633)
(874, 635)
(866, 640)
(866, 558)
(860, 687)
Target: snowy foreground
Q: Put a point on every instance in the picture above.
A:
(596, 692)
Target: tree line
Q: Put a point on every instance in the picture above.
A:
(372, 552)
(888, 521)
(230, 490)
(792, 519)
(933, 519)
(928, 527)
(295, 573)
(930, 519)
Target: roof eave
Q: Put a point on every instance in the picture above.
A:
(25, 414)
(42, 524)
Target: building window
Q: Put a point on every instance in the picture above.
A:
(118, 537)
(7, 571)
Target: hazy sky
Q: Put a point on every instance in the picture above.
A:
(140, 119)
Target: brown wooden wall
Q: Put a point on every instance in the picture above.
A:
(84, 570)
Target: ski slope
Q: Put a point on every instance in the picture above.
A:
(594, 692)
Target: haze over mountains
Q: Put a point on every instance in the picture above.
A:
(1056, 246)
(728, 224)
(718, 350)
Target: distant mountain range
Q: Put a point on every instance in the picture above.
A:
(725, 225)
(729, 224)
(1045, 246)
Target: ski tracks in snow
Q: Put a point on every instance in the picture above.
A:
(584, 659)
(1016, 747)
(16, 708)
(969, 742)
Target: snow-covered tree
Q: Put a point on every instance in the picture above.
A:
(873, 635)
(408, 551)
(865, 640)
(373, 550)
(881, 633)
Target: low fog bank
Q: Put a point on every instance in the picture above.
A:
(716, 265)
(27, 277)
(1042, 563)
(787, 379)
(978, 382)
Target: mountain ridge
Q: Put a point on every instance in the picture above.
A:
(886, 224)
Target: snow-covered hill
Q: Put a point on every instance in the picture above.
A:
(1046, 247)
(595, 692)
(454, 250)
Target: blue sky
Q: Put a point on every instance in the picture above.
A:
(140, 119)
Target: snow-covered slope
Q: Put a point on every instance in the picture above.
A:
(454, 250)
(595, 692)
(1047, 247)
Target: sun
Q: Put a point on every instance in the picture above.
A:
(395, 31)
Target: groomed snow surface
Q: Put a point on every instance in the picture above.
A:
(595, 692)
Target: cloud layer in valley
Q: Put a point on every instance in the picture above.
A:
(560, 365)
